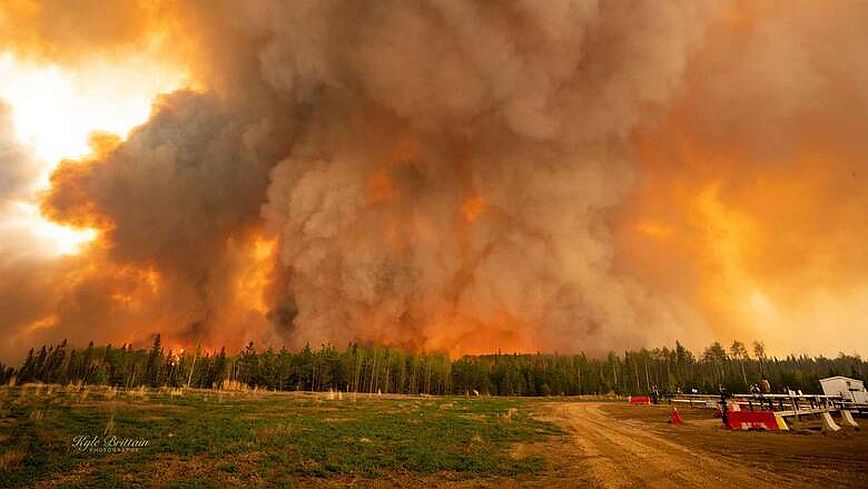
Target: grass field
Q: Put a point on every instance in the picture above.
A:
(55, 436)
(201, 438)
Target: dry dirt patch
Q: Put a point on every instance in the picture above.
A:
(618, 445)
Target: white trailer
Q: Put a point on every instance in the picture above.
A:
(852, 390)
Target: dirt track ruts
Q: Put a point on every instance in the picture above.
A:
(621, 454)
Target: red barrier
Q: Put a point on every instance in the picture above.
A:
(640, 400)
(752, 420)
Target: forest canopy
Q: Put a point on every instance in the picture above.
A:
(371, 368)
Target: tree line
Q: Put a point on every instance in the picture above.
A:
(372, 368)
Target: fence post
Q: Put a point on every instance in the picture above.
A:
(795, 407)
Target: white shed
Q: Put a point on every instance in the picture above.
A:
(850, 389)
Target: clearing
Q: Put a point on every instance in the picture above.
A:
(263, 439)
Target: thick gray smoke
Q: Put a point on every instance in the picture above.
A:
(520, 111)
(437, 175)
(446, 174)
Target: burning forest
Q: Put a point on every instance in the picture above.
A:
(441, 176)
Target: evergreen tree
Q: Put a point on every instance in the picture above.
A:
(155, 363)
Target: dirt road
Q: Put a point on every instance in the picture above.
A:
(626, 454)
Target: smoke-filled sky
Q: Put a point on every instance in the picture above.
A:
(435, 175)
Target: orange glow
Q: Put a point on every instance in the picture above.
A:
(47, 322)
(53, 239)
(654, 230)
(473, 208)
(760, 247)
(474, 336)
(72, 112)
(55, 109)
(142, 285)
(380, 189)
(253, 280)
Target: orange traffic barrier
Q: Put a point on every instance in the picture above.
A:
(675, 416)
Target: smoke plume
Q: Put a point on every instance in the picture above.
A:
(464, 176)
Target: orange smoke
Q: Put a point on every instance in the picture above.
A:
(52, 30)
(520, 178)
(756, 216)
(471, 335)
(473, 208)
(256, 274)
(380, 187)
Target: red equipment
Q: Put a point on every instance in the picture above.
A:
(752, 420)
(674, 416)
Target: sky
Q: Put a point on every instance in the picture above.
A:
(446, 175)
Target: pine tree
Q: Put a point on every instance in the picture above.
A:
(155, 363)
(27, 372)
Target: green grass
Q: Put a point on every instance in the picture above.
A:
(206, 439)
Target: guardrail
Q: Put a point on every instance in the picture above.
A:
(797, 404)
